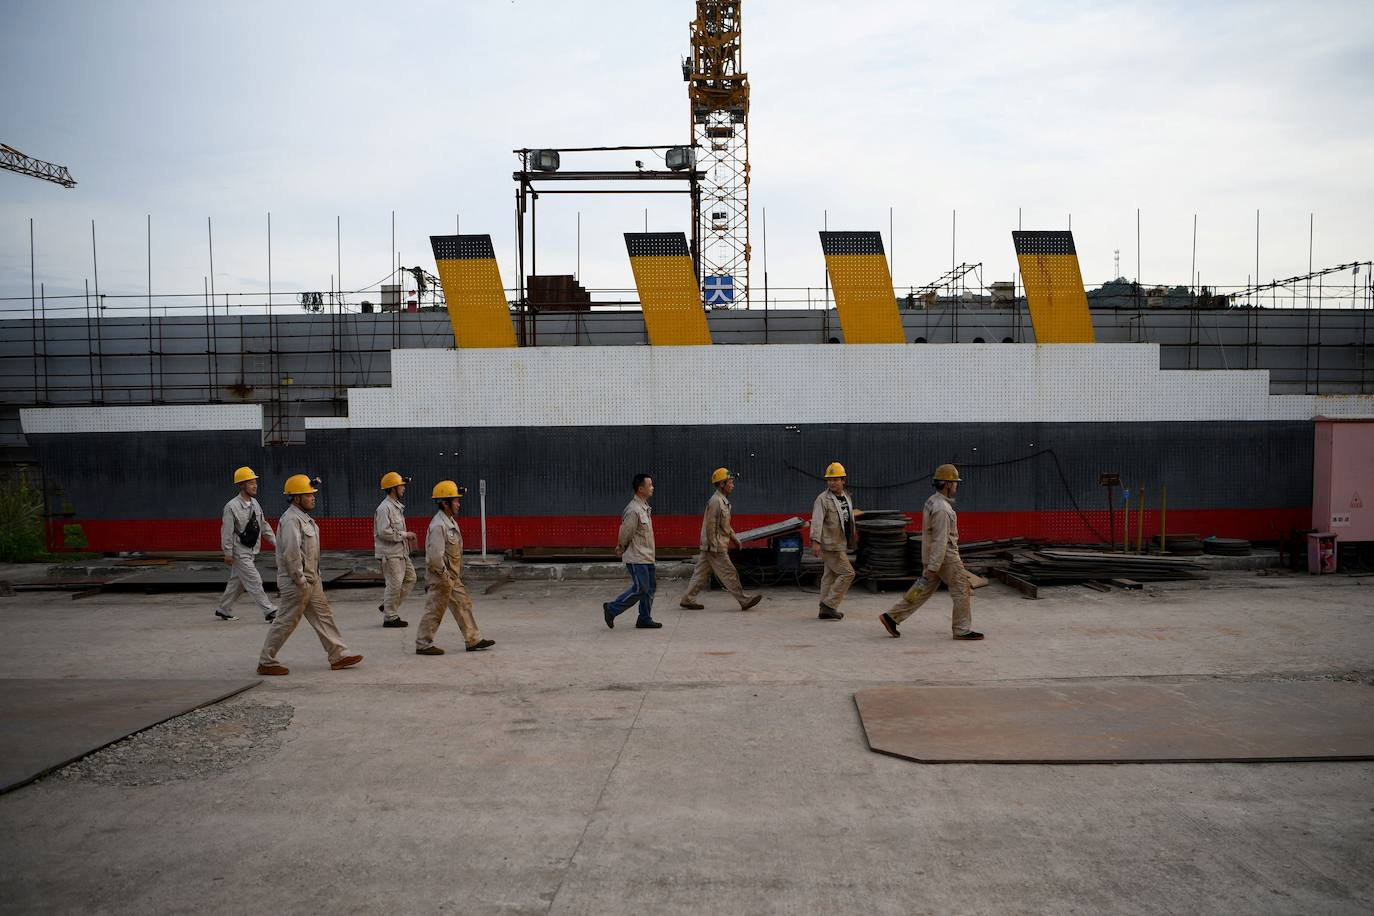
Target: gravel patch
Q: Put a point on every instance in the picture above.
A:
(202, 743)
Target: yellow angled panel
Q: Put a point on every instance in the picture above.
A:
(863, 287)
(477, 306)
(1054, 287)
(668, 292)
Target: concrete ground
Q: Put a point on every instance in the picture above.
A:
(714, 766)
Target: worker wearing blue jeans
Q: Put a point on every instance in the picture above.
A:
(635, 545)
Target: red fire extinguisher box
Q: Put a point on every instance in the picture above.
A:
(1321, 552)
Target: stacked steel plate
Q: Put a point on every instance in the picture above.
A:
(1226, 547)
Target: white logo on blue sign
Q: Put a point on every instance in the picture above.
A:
(719, 289)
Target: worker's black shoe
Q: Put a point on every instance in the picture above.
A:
(481, 644)
(750, 602)
(969, 635)
(607, 615)
(222, 615)
(889, 624)
(271, 615)
(829, 613)
(395, 622)
(691, 605)
(429, 650)
(648, 625)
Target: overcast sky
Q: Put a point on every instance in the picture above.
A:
(314, 111)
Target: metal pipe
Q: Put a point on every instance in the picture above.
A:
(482, 500)
(1163, 509)
(1140, 524)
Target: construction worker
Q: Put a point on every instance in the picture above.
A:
(635, 546)
(833, 535)
(392, 543)
(717, 537)
(443, 575)
(940, 560)
(242, 528)
(298, 582)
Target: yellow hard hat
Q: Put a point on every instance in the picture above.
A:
(244, 474)
(447, 489)
(297, 484)
(392, 479)
(835, 469)
(947, 473)
(722, 474)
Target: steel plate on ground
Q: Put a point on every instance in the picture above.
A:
(48, 722)
(1122, 723)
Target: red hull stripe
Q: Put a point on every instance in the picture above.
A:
(112, 535)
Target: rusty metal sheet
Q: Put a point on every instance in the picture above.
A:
(1203, 722)
(46, 723)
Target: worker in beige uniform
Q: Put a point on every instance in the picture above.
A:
(392, 542)
(242, 528)
(940, 560)
(717, 537)
(298, 582)
(443, 575)
(833, 535)
(635, 547)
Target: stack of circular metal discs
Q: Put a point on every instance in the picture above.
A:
(1226, 547)
(882, 544)
(1180, 545)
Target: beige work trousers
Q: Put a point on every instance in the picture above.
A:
(719, 563)
(311, 604)
(839, 575)
(244, 577)
(399, 574)
(446, 593)
(953, 574)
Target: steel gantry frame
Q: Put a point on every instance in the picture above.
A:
(718, 95)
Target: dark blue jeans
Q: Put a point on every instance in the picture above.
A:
(643, 584)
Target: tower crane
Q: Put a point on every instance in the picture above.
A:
(13, 160)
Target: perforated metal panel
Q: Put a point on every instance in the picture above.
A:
(757, 384)
(477, 306)
(1054, 287)
(863, 287)
(197, 417)
(667, 285)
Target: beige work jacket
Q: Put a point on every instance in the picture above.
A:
(235, 519)
(939, 531)
(389, 530)
(636, 538)
(716, 533)
(444, 546)
(298, 547)
(827, 523)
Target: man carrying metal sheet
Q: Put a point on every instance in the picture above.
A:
(298, 582)
(241, 531)
(833, 535)
(717, 537)
(635, 546)
(940, 560)
(443, 575)
(391, 545)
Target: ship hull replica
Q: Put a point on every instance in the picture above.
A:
(557, 434)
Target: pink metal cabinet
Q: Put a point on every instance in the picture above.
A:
(1343, 479)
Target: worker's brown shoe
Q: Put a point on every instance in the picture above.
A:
(969, 635)
(691, 605)
(348, 661)
(429, 650)
(481, 644)
(273, 669)
(750, 602)
(889, 624)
